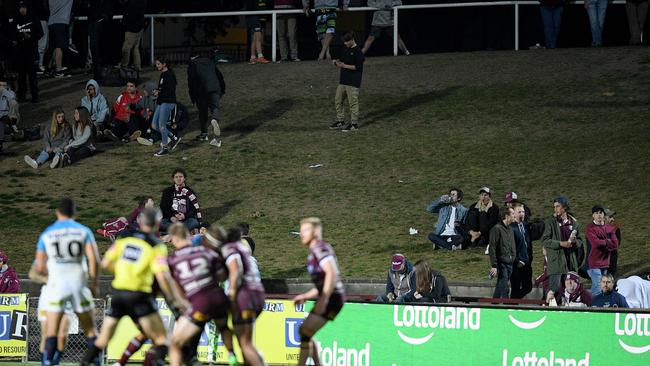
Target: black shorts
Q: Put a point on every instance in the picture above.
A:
(60, 35)
(333, 307)
(255, 23)
(376, 31)
(133, 304)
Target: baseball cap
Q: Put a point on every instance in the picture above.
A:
(485, 189)
(510, 196)
(562, 200)
(598, 208)
(609, 212)
(573, 276)
(3, 257)
(397, 262)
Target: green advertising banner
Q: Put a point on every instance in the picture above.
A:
(398, 335)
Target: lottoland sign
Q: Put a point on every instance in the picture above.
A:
(376, 334)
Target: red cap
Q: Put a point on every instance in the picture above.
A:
(397, 263)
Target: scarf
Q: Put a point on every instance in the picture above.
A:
(483, 208)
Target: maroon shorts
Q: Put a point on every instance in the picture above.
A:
(249, 304)
(333, 307)
(208, 305)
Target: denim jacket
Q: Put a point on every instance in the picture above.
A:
(444, 210)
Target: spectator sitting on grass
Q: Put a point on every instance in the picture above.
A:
(148, 103)
(55, 139)
(608, 297)
(128, 115)
(9, 283)
(448, 233)
(399, 281)
(601, 241)
(96, 105)
(180, 204)
(9, 110)
(571, 294)
(81, 146)
(481, 218)
(430, 285)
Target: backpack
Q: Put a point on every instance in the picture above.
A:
(129, 73)
(118, 77)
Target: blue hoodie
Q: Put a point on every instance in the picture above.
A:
(97, 106)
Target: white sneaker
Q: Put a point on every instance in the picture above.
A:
(216, 142)
(144, 141)
(31, 162)
(55, 161)
(215, 127)
(487, 250)
(457, 247)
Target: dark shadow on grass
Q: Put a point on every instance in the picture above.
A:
(248, 124)
(599, 104)
(212, 214)
(406, 104)
(290, 272)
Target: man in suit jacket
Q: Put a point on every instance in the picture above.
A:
(521, 281)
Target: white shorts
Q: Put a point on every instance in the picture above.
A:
(59, 297)
(42, 300)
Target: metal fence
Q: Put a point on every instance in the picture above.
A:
(76, 346)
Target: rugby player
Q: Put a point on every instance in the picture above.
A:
(329, 292)
(135, 259)
(67, 254)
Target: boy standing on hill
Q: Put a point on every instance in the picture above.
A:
(351, 65)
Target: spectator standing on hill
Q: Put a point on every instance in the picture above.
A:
(27, 33)
(97, 106)
(165, 100)
(482, 217)
(608, 297)
(256, 24)
(55, 138)
(206, 86)
(59, 31)
(100, 14)
(563, 243)
(572, 293)
(382, 22)
(613, 259)
(430, 285)
(128, 117)
(325, 22)
(601, 241)
(502, 252)
(551, 11)
(42, 10)
(9, 282)
(179, 203)
(596, 10)
(511, 198)
(637, 11)
(81, 146)
(286, 24)
(399, 281)
(448, 233)
(521, 281)
(134, 23)
(351, 65)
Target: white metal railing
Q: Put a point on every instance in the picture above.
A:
(274, 16)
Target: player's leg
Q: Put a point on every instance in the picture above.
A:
(51, 330)
(312, 324)
(184, 331)
(108, 329)
(226, 334)
(244, 331)
(152, 327)
(134, 345)
(61, 339)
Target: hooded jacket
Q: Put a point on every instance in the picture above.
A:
(555, 254)
(148, 102)
(58, 141)
(97, 106)
(400, 283)
(127, 105)
(203, 77)
(9, 283)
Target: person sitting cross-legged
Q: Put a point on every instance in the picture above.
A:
(128, 120)
(449, 233)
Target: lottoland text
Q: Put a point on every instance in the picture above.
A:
(550, 359)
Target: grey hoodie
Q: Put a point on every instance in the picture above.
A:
(148, 103)
(58, 141)
(325, 4)
(383, 18)
(97, 106)
(81, 137)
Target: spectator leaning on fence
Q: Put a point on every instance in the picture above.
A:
(563, 243)
(55, 138)
(134, 23)
(608, 296)
(382, 22)
(601, 241)
(399, 280)
(286, 24)
(551, 11)
(637, 11)
(325, 22)
(448, 232)
(502, 252)
(9, 283)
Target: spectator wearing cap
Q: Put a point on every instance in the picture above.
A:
(601, 242)
(482, 217)
(572, 294)
(613, 259)
(502, 250)
(563, 243)
(9, 283)
(521, 281)
(511, 198)
(608, 296)
(399, 281)
(448, 233)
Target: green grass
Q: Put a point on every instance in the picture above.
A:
(572, 122)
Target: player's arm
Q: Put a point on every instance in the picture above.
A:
(327, 264)
(35, 276)
(311, 294)
(234, 264)
(40, 264)
(93, 263)
(111, 255)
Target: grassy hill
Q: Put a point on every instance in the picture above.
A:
(572, 122)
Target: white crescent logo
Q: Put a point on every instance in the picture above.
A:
(526, 325)
(414, 341)
(632, 349)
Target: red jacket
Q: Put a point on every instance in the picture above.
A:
(9, 283)
(122, 113)
(603, 241)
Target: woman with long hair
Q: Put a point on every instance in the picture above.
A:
(430, 285)
(166, 101)
(55, 138)
(81, 146)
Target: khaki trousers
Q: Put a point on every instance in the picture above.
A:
(131, 43)
(353, 100)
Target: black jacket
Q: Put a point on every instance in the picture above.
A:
(438, 292)
(27, 31)
(483, 221)
(203, 76)
(134, 15)
(183, 200)
(167, 88)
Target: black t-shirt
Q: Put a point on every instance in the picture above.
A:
(167, 88)
(352, 56)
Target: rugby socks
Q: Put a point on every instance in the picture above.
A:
(56, 359)
(155, 356)
(92, 353)
(50, 349)
(132, 348)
